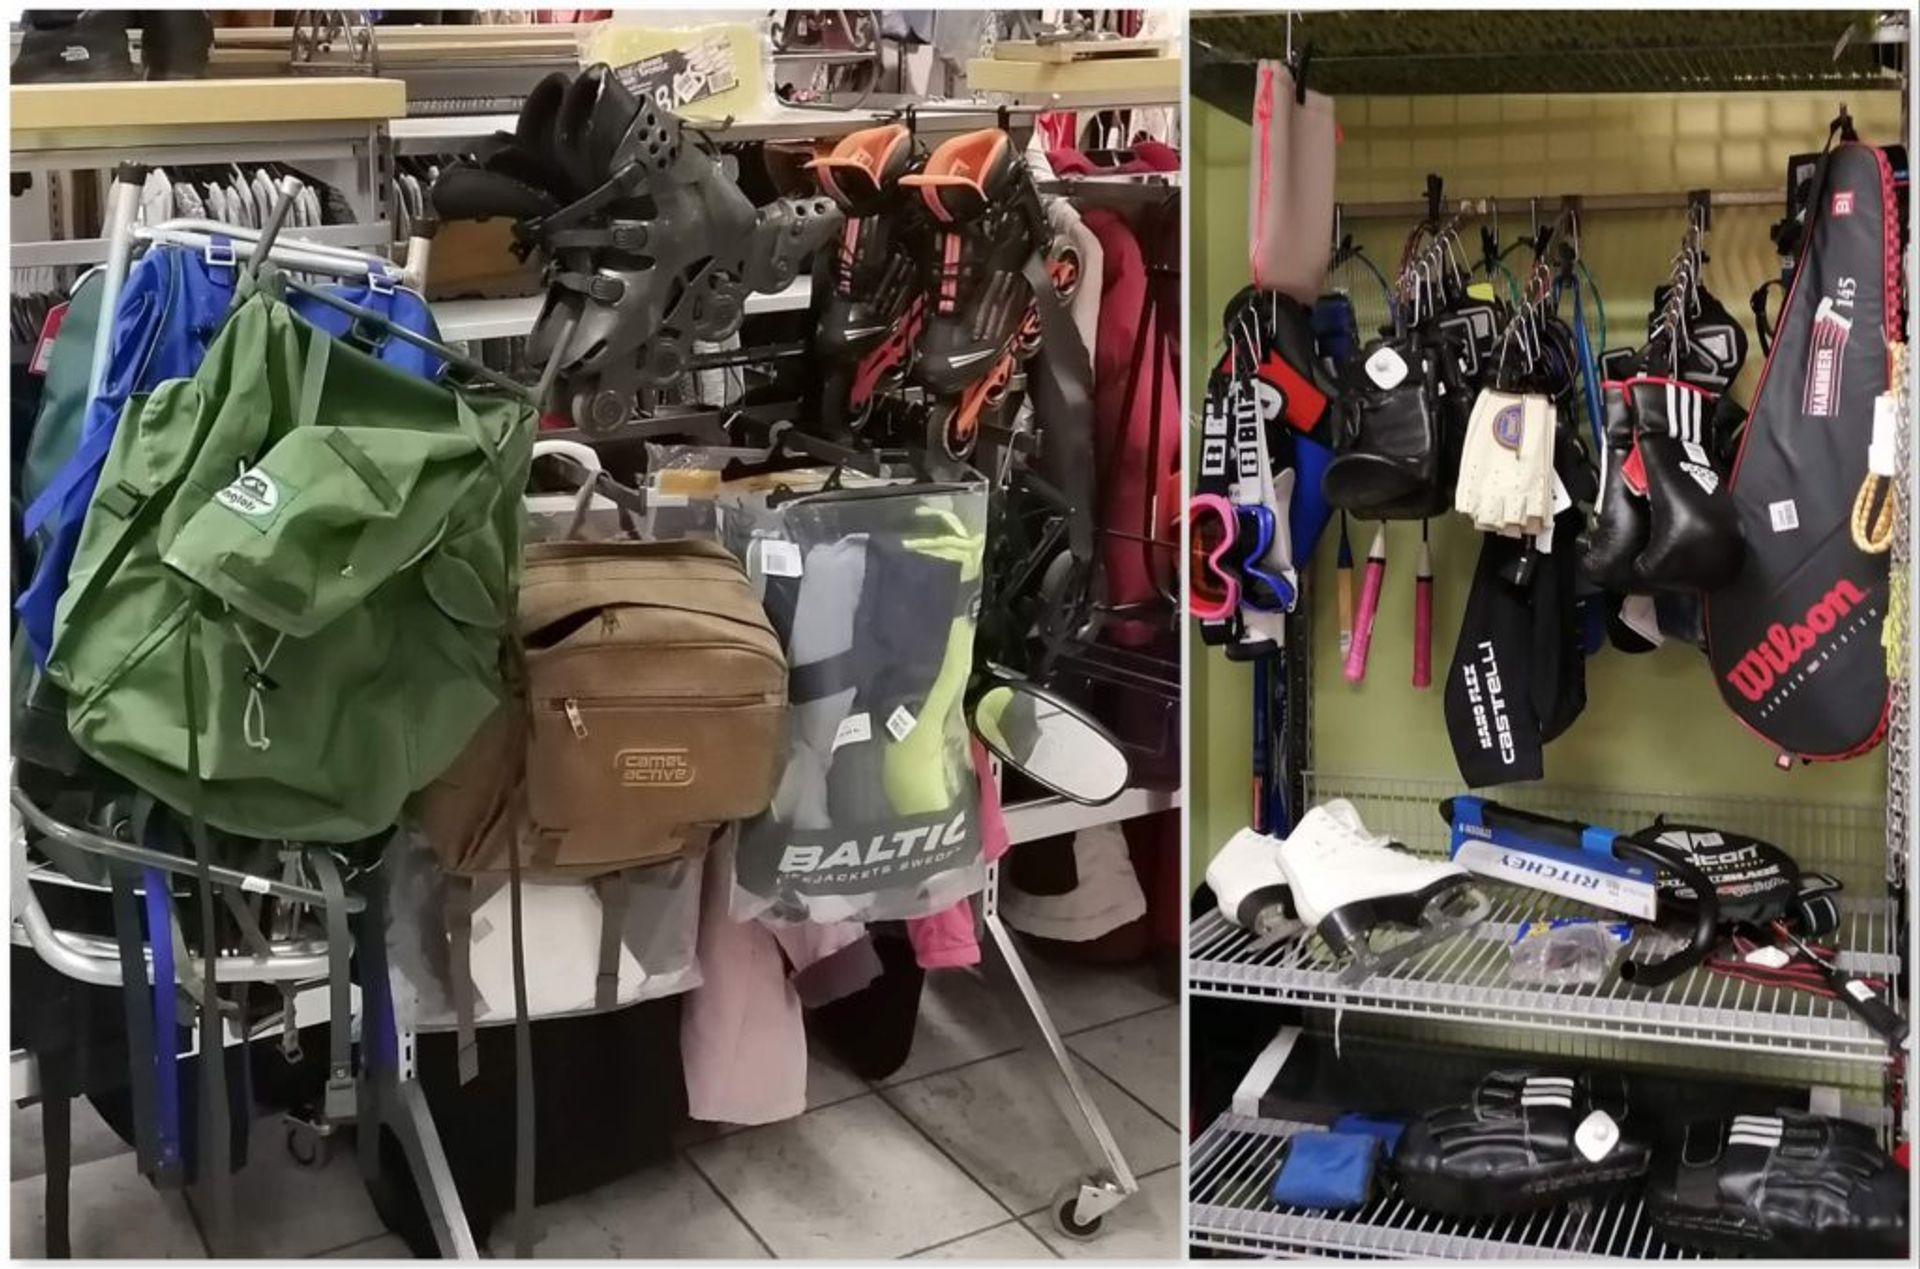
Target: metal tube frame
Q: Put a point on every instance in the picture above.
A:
(1100, 1193)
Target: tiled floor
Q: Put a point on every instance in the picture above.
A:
(954, 1158)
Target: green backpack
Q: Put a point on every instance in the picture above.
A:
(295, 576)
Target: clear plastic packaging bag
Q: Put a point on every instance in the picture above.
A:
(1565, 951)
(874, 592)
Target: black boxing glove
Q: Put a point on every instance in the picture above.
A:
(1693, 534)
(1618, 531)
(1527, 1140)
(1790, 1185)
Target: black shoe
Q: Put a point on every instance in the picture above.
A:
(175, 43)
(69, 46)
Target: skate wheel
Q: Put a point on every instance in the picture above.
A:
(1064, 269)
(600, 413)
(959, 449)
(1066, 1217)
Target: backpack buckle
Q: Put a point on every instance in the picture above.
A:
(342, 1102)
(220, 253)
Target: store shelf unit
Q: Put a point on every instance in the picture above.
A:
(1233, 1162)
(449, 134)
(335, 130)
(1051, 817)
(1465, 979)
(513, 317)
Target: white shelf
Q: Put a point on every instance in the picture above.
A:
(455, 134)
(461, 320)
(1465, 980)
(1229, 1209)
(1052, 817)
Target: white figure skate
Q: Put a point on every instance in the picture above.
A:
(1247, 880)
(1347, 884)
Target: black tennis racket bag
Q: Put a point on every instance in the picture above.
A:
(1795, 639)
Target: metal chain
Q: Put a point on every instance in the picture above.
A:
(1894, 636)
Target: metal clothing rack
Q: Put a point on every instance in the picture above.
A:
(389, 1094)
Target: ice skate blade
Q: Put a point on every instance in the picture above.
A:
(1448, 914)
(1274, 925)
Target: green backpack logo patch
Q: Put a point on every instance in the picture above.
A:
(253, 494)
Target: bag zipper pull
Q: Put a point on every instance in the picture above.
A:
(573, 716)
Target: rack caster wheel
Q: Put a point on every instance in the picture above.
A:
(308, 1146)
(1066, 1219)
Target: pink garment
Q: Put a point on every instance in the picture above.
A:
(742, 1038)
(946, 940)
(829, 961)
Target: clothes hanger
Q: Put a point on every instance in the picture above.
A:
(261, 271)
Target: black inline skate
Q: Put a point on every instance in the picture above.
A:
(988, 228)
(650, 242)
(874, 309)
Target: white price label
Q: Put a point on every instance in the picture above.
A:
(779, 558)
(1784, 514)
(853, 729)
(900, 723)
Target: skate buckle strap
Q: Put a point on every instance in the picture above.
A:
(621, 235)
(602, 289)
(619, 184)
(381, 280)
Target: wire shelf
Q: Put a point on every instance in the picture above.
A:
(1562, 51)
(1234, 1162)
(1465, 980)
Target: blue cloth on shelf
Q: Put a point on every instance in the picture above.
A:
(1329, 1171)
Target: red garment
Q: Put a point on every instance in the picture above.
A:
(1135, 381)
(1056, 127)
(1147, 158)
